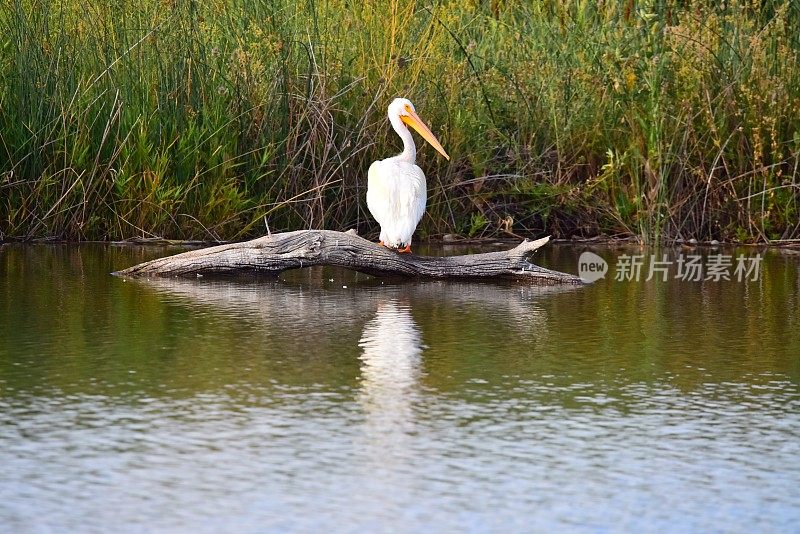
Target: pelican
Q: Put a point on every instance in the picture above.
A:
(396, 188)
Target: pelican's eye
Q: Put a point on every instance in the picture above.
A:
(407, 108)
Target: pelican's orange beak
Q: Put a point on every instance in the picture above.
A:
(413, 120)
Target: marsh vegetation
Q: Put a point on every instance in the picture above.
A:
(189, 119)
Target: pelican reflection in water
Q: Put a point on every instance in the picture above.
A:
(391, 347)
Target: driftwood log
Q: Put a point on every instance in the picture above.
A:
(276, 253)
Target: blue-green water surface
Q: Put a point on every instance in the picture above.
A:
(329, 401)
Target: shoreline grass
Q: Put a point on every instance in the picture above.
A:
(201, 120)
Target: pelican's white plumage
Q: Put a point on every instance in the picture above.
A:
(396, 187)
(396, 197)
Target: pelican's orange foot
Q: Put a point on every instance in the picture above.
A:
(405, 250)
(380, 243)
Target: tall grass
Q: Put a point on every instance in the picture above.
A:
(190, 119)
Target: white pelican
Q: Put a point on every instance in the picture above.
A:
(396, 188)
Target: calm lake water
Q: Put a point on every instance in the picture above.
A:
(333, 401)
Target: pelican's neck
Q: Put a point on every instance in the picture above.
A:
(409, 153)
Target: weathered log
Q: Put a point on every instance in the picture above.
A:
(276, 253)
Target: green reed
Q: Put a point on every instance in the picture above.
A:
(190, 119)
